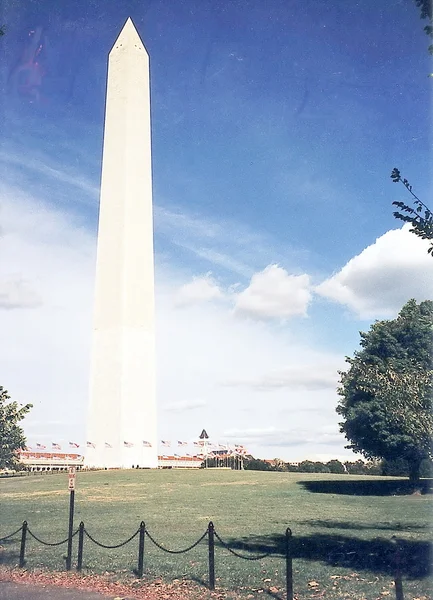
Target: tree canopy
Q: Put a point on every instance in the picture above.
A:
(11, 435)
(386, 394)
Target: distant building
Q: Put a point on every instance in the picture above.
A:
(50, 461)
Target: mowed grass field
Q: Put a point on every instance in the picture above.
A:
(342, 527)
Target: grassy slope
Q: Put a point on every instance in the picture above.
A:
(335, 533)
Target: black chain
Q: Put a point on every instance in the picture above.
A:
(10, 535)
(176, 551)
(240, 555)
(111, 547)
(50, 543)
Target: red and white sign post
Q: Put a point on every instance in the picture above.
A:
(71, 480)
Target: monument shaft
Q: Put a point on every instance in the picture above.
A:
(122, 380)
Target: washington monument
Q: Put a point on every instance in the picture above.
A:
(122, 415)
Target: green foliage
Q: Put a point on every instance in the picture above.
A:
(419, 216)
(11, 435)
(386, 395)
(320, 467)
(306, 466)
(426, 13)
(355, 468)
(255, 464)
(335, 466)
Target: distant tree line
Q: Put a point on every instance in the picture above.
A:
(394, 468)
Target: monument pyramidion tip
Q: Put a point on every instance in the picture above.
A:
(128, 38)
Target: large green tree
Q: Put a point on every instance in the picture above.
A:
(386, 394)
(11, 435)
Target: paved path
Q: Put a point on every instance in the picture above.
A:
(20, 591)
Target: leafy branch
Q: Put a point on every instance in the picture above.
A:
(426, 7)
(419, 216)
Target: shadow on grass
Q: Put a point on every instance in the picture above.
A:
(368, 487)
(199, 581)
(374, 555)
(9, 556)
(394, 527)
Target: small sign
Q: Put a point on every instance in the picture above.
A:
(71, 480)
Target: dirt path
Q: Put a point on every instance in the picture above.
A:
(19, 584)
(21, 591)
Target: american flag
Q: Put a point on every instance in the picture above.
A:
(90, 445)
(166, 443)
(179, 443)
(74, 445)
(147, 444)
(55, 446)
(107, 445)
(40, 446)
(128, 444)
(197, 444)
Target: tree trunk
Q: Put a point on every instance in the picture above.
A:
(414, 468)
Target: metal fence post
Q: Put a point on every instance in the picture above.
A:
(211, 540)
(23, 544)
(141, 549)
(80, 546)
(397, 569)
(70, 529)
(289, 567)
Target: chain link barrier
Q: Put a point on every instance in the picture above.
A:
(49, 543)
(210, 533)
(111, 547)
(225, 545)
(175, 551)
(7, 537)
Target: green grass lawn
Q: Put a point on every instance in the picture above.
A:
(342, 527)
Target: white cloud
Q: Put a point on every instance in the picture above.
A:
(377, 282)
(273, 293)
(16, 293)
(200, 289)
(45, 359)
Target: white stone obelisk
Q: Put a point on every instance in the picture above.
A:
(122, 416)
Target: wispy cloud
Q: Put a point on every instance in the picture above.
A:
(296, 377)
(185, 405)
(230, 245)
(285, 438)
(45, 168)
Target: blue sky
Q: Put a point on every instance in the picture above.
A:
(275, 128)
